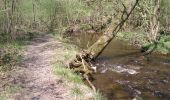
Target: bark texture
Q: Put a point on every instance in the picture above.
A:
(154, 22)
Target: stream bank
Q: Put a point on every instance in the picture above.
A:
(139, 39)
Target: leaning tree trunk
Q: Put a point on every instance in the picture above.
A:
(82, 61)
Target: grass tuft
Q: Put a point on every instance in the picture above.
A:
(98, 96)
(67, 73)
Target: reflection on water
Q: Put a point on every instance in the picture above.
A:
(123, 74)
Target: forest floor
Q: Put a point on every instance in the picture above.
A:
(35, 78)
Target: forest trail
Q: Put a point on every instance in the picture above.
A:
(37, 79)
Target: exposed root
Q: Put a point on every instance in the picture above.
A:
(82, 64)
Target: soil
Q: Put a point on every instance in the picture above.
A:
(35, 75)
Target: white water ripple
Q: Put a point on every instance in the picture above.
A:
(121, 69)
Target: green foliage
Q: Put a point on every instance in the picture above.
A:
(139, 39)
(136, 38)
(161, 46)
(165, 14)
(41, 15)
(58, 14)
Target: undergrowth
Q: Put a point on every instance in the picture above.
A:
(162, 45)
(135, 38)
(10, 55)
(9, 90)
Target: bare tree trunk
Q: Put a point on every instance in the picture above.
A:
(7, 17)
(82, 60)
(12, 19)
(34, 15)
(10, 7)
(154, 22)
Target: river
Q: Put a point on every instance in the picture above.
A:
(124, 74)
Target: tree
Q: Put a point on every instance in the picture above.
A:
(82, 61)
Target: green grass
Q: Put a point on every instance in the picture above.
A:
(70, 76)
(98, 96)
(68, 53)
(67, 74)
(75, 82)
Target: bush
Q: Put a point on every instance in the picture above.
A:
(161, 46)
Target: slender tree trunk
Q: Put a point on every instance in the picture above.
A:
(34, 14)
(7, 17)
(12, 19)
(154, 22)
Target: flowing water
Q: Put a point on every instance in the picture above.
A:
(124, 74)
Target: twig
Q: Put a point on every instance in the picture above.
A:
(90, 83)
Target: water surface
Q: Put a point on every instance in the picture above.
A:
(124, 74)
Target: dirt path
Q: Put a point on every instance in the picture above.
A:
(37, 80)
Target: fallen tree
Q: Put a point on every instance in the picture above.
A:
(82, 62)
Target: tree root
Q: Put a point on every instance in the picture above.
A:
(90, 83)
(82, 64)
